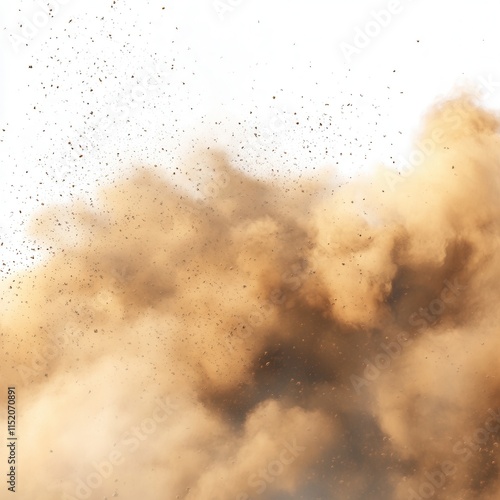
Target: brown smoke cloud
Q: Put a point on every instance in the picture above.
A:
(258, 339)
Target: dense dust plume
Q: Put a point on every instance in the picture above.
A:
(268, 339)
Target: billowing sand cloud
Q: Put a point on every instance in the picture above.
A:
(268, 339)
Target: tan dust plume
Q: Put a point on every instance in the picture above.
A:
(258, 339)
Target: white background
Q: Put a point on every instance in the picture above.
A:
(130, 83)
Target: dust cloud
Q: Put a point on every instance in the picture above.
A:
(258, 339)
